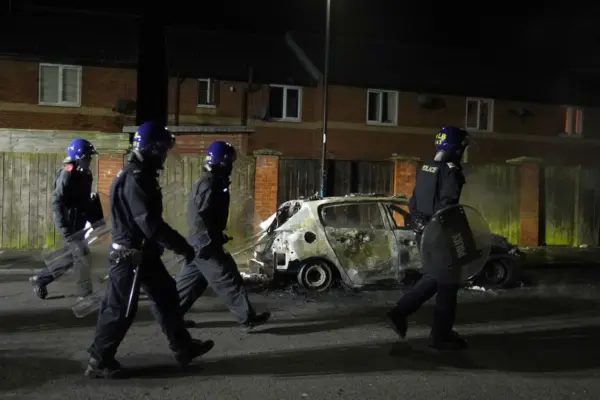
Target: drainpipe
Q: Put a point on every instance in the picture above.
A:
(246, 98)
(178, 83)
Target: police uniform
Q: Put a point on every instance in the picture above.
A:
(208, 212)
(138, 231)
(438, 185)
(72, 207)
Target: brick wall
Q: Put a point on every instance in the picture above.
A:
(108, 167)
(265, 184)
(349, 135)
(196, 144)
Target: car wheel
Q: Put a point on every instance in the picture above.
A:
(315, 275)
(499, 273)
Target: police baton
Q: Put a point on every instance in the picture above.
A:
(134, 292)
(135, 289)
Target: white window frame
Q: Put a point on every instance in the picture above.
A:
(571, 114)
(378, 121)
(479, 100)
(211, 87)
(60, 103)
(284, 111)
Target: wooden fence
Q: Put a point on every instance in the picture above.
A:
(178, 177)
(302, 177)
(493, 189)
(572, 206)
(29, 162)
(26, 195)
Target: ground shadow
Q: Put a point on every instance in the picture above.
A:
(492, 310)
(54, 319)
(23, 368)
(556, 351)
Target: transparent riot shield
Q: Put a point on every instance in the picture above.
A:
(455, 244)
(98, 241)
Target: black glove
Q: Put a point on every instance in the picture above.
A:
(418, 225)
(190, 254)
(226, 238)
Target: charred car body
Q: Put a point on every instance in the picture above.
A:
(356, 240)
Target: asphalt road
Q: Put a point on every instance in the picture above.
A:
(528, 343)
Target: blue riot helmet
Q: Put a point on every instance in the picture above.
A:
(220, 157)
(450, 143)
(152, 142)
(80, 152)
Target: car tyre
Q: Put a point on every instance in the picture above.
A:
(500, 273)
(315, 275)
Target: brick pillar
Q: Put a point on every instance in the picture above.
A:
(265, 183)
(405, 176)
(529, 200)
(108, 166)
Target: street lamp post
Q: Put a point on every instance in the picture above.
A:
(325, 102)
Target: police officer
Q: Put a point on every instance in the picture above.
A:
(139, 236)
(73, 204)
(208, 212)
(438, 185)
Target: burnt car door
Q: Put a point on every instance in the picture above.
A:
(408, 251)
(361, 240)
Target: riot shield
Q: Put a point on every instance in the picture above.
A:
(455, 244)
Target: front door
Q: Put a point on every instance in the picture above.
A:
(360, 240)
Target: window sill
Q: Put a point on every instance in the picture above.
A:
(479, 130)
(70, 105)
(206, 106)
(571, 135)
(285, 120)
(375, 123)
(206, 110)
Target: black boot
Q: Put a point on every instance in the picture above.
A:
(189, 323)
(256, 320)
(38, 287)
(104, 369)
(399, 322)
(453, 341)
(196, 349)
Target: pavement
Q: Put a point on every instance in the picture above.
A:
(528, 343)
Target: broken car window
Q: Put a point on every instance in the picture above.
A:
(357, 215)
(400, 217)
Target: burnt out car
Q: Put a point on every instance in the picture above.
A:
(356, 240)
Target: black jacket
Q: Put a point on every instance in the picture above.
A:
(208, 210)
(438, 185)
(72, 205)
(136, 211)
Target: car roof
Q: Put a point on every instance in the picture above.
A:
(316, 201)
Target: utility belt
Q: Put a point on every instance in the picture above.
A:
(120, 253)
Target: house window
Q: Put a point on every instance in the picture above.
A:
(573, 121)
(382, 107)
(285, 103)
(206, 93)
(480, 114)
(59, 85)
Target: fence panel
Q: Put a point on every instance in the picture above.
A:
(493, 189)
(25, 199)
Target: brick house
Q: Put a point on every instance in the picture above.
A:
(263, 93)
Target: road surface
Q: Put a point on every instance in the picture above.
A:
(529, 343)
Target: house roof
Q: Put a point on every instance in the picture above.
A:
(227, 56)
(84, 40)
(537, 76)
(114, 40)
